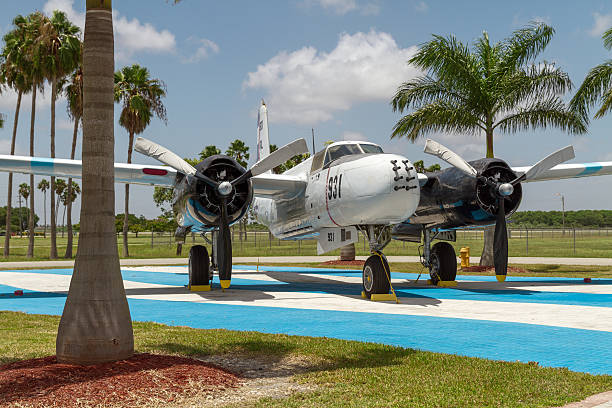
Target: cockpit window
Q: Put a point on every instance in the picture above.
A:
(317, 161)
(369, 148)
(335, 152)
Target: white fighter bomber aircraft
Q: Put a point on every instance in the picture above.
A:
(345, 189)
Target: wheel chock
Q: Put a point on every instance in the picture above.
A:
(382, 297)
(447, 284)
(363, 295)
(199, 288)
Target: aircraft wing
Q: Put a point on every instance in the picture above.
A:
(278, 186)
(124, 173)
(565, 171)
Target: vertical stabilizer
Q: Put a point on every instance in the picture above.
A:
(263, 140)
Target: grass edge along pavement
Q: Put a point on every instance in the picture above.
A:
(343, 373)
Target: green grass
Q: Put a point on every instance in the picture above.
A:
(588, 244)
(346, 373)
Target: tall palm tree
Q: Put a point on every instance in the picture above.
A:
(35, 26)
(24, 191)
(74, 95)
(96, 326)
(12, 75)
(486, 89)
(239, 151)
(43, 186)
(141, 99)
(58, 190)
(596, 87)
(60, 45)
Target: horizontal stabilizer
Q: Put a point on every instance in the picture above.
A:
(566, 171)
(277, 186)
(124, 173)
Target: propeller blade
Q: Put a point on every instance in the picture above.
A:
(224, 247)
(279, 156)
(550, 161)
(158, 152)
(500, 243)
(452, 158)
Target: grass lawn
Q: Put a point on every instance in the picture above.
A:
(344, 373)
(586, 244)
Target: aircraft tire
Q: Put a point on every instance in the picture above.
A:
(443, 263)
(199, 266)
(374, 277)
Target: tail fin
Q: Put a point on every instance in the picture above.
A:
(263, 141)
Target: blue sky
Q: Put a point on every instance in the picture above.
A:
(331, 65)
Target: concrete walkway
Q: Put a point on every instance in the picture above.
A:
(302, 259)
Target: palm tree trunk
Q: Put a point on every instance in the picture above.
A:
(127, 200)
(96, 325)
(20, 219)
(45, 212)
(31, 214)
(68, 253)
(486, 258)
(53, 251)
(9, 196)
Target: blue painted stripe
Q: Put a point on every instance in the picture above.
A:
(579, 350)
(42, 162)
(590, 168)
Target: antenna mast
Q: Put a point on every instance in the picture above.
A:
(313, 143)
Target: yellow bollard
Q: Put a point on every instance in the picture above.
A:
(464, 254)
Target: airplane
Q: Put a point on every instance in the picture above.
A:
(347, 188)
(353, 187)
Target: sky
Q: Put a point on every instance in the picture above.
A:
(331, 65)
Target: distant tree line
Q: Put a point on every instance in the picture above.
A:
(581, 218)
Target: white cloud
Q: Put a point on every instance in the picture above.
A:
(307, 86)
(600, 24)
(421, 6)
(342, 7)
(350, 135)
(131, 36)
(206, 46)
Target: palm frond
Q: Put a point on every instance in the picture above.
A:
(596, 84)
(437, 117)
(541, 114)
(526, 44)
(607, 38)
(421, 91)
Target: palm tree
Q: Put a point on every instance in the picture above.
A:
(60, 45)
(36, 28)
(24, 191)
(239, 151)
(43, 186)
(68, 196)
(12, 75)
(596, 87)
(489, 88)
(74, 95)
(58, 191)
(96, 326)
(141, 98)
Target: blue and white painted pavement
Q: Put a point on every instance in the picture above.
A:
(557, 322)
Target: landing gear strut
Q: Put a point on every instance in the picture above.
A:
(376, 277)
(439, 259)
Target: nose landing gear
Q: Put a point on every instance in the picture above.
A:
(376, 276)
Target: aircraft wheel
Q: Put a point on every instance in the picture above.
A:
(199, 266)
(375, 278)
(443, 263)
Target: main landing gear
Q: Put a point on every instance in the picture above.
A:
(440, 259)
(201, 265)
(376, 278)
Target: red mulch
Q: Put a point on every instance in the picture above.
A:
(346, 263)
(491, 269)
(42, 382)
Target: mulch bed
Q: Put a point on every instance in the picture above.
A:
(42, 382)
(345, 263)
(491, 269)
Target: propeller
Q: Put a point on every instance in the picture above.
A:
(223, 189)
(501, 192)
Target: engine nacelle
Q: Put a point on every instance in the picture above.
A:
(452, 199)
(197, 205)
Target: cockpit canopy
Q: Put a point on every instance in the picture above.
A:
(340, 149)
